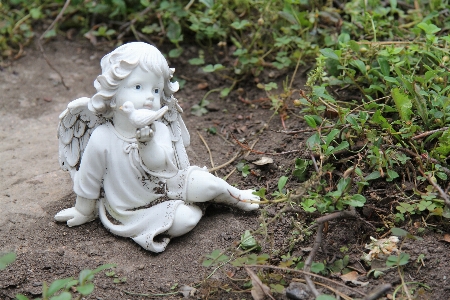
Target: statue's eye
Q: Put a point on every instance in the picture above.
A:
(137, 87)
(156, 91)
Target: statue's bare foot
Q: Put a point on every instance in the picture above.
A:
(246, 198)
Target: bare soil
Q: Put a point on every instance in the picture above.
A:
(33, 189)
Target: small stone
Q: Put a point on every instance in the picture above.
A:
(297, 291)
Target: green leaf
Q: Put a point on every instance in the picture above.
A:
(308, 205)
(403, 104)
(85, 289)
(21, 297)
(245, 170)
(329, 53)
(428, 28)
(400, 260)
(331, 136)
(384, 66)
(50, 33)
(282, 182)
(174, 32)
(373, 175)
(356, 200)
(399, 232)
(270, 86)
(248, 241)
(260, 193)
(317, 267)
(62, 296)
(85, 276)
(175, 52)
(341, 146)
(289, 17)
(240, 24)
(277, 288)
(225, 92)
(213, 68)
(7, 259)
(103, 267)
(360, 65)
(35, 13)
(58, 285)
(215, 257)
(196, 61)
(325, 297)
(313, 141)
(208, 3)
(391, 175)
(310, 121)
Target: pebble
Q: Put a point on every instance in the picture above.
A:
(297, 291)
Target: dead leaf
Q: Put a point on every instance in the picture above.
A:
(202, 85)
(263, 161)
(259, 289)
(446, 238)
(352, 277)
(187, 291)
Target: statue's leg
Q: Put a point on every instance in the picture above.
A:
(185, 219)
(203, 186)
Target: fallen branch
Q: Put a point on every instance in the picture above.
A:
(427, 133)
(309, 259)
(423, 158)
(318, 242)
(310, 274)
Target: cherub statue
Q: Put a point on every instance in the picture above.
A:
(138, 181)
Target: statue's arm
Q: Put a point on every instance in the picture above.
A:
(84, 211)
(157, 152)
(87, 182)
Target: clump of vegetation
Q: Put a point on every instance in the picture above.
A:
(62, 289)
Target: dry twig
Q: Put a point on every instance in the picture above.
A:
(378, 292)
(209, 151)
(260, 152)
(41, 48)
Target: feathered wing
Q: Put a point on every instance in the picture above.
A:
(180, 135)
(76, 124)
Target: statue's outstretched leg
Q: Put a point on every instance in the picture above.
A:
(203, 186)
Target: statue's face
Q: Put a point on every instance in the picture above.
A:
(142, 88)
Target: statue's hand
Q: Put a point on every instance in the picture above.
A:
(145, 134)
(73, 217)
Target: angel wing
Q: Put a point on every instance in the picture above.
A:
(180, 135)
(76, 124)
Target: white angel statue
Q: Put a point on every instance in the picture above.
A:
(138, 181)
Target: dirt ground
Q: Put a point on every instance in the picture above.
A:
(33, 189)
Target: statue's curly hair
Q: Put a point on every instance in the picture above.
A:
(118, 64)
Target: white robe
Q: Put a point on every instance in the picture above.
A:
(111, 163)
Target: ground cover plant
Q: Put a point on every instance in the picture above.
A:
(375, 102)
